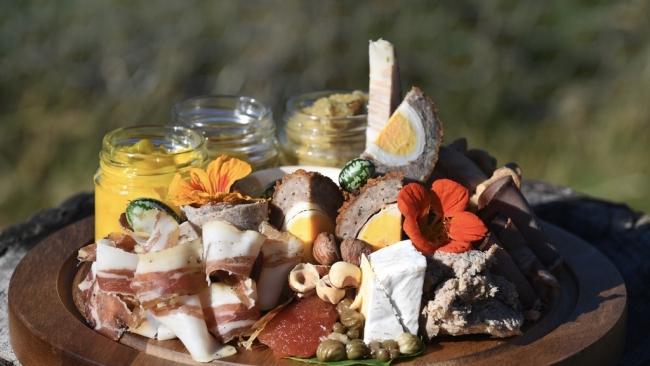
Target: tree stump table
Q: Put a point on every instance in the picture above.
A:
(620, 233)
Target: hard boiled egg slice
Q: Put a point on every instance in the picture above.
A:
(306, 220)
(383, 228)
(402, 139)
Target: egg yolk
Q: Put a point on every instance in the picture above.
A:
(384, 228)
(307, 225)
(398, 136)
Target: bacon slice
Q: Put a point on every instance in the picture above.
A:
(230, 250)
(187, 322)
(115, 268)
(165, 233)
(230, 311)
(188, 232)
(281, 251)
(162, 275)
(152, 328)
(384, 91)
(105, 312)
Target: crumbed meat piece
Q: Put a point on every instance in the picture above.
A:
(303, 186)
(374, 195)
(468, 299)
(421, 168)
(245, 216)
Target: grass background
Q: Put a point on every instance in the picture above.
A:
(562, 87)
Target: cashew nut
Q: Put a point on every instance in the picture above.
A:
(327, 292)
(344, 274)
(303, 278)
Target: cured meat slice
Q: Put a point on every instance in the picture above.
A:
(280, 253)
(230, 310)
(227, 249)
(152, 328)
(296, 330)
(106, 313)
(187, 322)
(245, 216)
(384, 89)
(162, 275)
(115, 268)
(164, 235)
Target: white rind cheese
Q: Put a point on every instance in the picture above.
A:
(391, 291)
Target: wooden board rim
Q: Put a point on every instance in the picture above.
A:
(48, 331)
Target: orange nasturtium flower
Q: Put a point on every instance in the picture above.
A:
(436, 219)
(212, 185)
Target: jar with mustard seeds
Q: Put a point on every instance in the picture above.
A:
(326, 128)
(239, 126)
(140, 162)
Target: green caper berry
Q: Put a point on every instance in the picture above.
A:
(408, 343)
(390, 344)
(330, 350)
(382, 355)
(353, 333)
(394, 353)
(356, 349)
(352, 319)
(343, 306)
(374, 345)
(339, 328)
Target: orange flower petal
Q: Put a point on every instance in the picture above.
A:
(465, 226)
(413, 200)
(180, 191)
(451, 196)
(456, 247)
(199, 180)
(224, 171)
(420, 242)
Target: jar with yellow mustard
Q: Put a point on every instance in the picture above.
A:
(140, 162)
(326, 128)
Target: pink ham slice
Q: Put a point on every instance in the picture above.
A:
(229, 250)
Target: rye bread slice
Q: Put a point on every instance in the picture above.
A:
(303, 186)
(245, 216)
(373, 196)
(421, 168)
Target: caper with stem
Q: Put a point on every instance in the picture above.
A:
(353, 333)
(331, 350)
(339, 328)
(352, 319)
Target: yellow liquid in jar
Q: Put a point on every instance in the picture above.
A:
(142, 171)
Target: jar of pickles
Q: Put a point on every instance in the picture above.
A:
(238, 126)
(140, 162)
(326, 128)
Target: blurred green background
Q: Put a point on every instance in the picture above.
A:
(562, 87)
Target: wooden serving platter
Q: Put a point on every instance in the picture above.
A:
(585, 324)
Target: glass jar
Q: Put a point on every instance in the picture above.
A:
(310, 139)
(238, 126)
(140, 162)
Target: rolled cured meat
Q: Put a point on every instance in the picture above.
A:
(162, 275)
(187, 322)
(115, 268)
(230, 250)
(230, 310)
(281, 251)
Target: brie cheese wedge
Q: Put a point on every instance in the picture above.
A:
(391, 291)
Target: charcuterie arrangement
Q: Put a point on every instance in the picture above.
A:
(416, 240)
